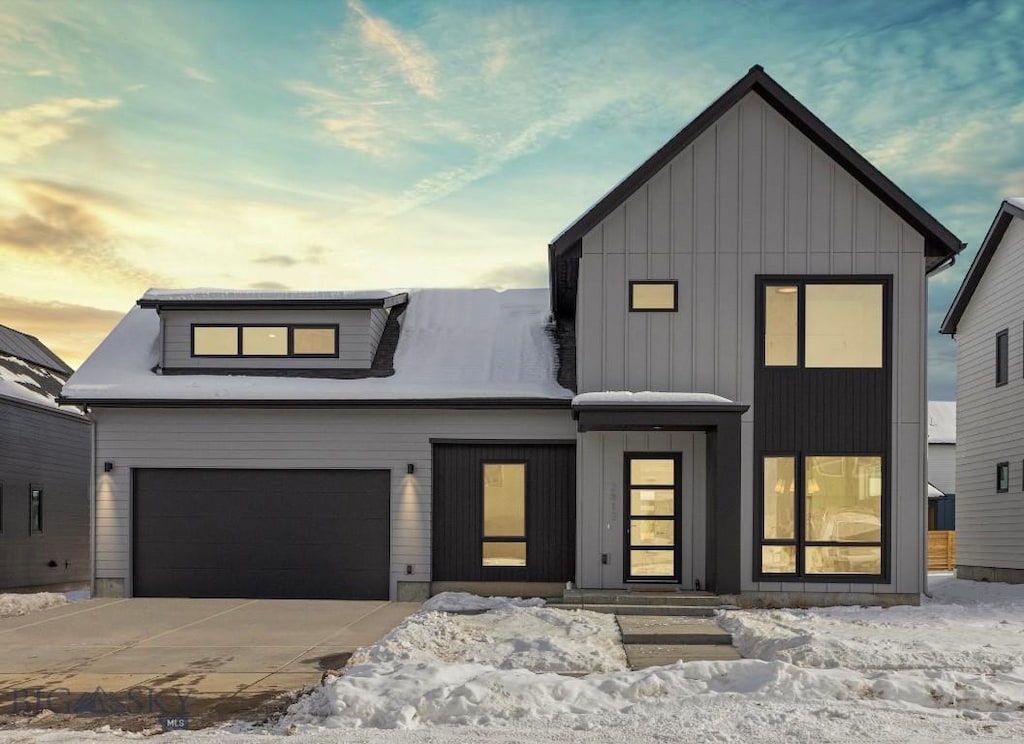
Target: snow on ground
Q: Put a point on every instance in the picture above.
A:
(22, 604)
(465, 602)
(536, 639)
(967, 626)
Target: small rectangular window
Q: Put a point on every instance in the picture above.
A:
(504, 507)
(1003, 477)
(843, 325)
(653, 296)
(315, 341)
(781, 326)
(214, 340)
(1002, 357)
(35, 510)
(265, 341)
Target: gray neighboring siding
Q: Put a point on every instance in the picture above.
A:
(602, 502)
(942, 467)
(752, 195)
(51, 449)
(990, 525)
(356, 340)
(296, 438)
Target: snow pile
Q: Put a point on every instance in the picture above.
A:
(531, 638)
(465, 602)
(649, 398)
(454, 343)
(411, 695)
(23, 604)
(968, 626)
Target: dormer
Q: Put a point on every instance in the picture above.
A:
(302, 334)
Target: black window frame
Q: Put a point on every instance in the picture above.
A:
(36, 525)
(800, 540)
(801, 282)
(290, 327)
(1000, 467)
(484, 538)
(677, 494)
(1002, 357)
(675, 296)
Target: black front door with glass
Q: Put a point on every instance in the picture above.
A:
(652, 506)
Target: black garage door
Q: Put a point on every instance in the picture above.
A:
(312, 534)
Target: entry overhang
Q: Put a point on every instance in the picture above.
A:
(653, 411)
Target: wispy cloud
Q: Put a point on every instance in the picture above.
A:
(25, 131)
(269, 286)
(516, 275)
(313, 254)
(406, 54)
(72, 331)
(195, 74)
(40, 73)
(68, 225)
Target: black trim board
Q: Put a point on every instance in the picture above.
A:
(993, 237)
(283, 303)
(440, 403)
(939, 241)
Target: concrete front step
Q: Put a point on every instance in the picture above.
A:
(639, 609)
(689, 599)
(645, 655)
(672, 631)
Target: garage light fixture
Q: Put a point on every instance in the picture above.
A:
(107, 467)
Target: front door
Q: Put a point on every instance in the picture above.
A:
(653, 527)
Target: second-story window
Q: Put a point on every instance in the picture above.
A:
(264, 341)
(1002, 357)
(653, 296)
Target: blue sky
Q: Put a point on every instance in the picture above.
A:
(365, 143)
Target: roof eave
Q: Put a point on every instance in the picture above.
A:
(982, 258)
(274, 304)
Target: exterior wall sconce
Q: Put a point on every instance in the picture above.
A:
(410, 468)
(107, 467)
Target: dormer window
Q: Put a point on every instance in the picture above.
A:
(264, 341)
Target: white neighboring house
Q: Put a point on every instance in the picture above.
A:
(987, 321)
(941, 465)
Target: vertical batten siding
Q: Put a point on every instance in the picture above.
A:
(751, 195)
(51, 449)
(990, 525)
(298, 438)
(356, 340)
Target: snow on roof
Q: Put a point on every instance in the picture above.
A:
(454, 343)
(942, 422)
(206, 294)
(1017, 201)
(934, 493)
(648, 397)
(28, 382)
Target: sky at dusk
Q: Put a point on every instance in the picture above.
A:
(383, 144)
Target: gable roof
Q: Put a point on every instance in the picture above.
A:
(31, 349)
(475, 347)
(1009, 209)
(940, 243)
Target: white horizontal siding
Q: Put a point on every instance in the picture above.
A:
(942, 467)
(990, 424)
(303, 438)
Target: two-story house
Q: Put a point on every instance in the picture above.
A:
(986, 319)
(722, 389)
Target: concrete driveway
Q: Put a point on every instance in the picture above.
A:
(201, 659)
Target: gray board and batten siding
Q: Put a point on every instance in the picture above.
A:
(750, 196)
(378, 438)
(989, 524)
(47, 449)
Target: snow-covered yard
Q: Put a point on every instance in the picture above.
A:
(22, 604)
(950, 670)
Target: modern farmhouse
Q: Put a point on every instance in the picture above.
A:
(723, 388)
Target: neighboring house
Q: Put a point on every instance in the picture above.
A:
(987, 321)
(743, 319)
(44, 470)
(941, 489)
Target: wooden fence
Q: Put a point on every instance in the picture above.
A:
(941, 550)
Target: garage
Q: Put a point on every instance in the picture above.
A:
(284, 534)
